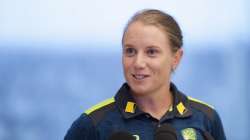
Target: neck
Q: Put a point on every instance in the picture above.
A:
(156, 103)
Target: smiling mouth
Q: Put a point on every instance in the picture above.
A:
(140, 76)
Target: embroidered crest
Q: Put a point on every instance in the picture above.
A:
(137, 137)
(189, 134)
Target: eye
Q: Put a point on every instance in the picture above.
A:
(129, 51)
(152, 52)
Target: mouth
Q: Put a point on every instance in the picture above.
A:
(140, 76)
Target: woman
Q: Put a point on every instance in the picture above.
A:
(152, 50)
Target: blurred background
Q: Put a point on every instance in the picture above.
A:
(60, 57)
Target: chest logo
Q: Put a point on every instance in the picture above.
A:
(189, 134)
(136, 137)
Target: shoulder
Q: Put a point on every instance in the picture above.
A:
(217, 130)
(81, 128)
(207, 109)
(100, 106)
(98, 111)
(84, 127)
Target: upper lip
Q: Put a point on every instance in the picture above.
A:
(140, 74)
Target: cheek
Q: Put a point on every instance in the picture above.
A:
(163, 67)
(126, 64)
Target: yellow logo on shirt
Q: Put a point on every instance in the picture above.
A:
(130, 107)
(189, 134)
(181, 108)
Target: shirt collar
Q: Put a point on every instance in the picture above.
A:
(181, 105)
(126, 102)
(127, 105)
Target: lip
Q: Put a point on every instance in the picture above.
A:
(140, 77)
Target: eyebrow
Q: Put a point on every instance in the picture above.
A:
(153, 46)
(127, 45)
(150, 46)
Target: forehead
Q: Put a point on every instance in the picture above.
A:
(139, 33)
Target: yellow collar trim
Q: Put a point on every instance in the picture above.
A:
(130, 107)
(100, 105)
(181, 108)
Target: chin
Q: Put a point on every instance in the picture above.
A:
(139, 89)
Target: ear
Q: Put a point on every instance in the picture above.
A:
(177, 58)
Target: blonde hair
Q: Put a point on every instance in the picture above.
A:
(163, 21)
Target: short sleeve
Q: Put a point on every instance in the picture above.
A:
(217, 128)
(82, 129)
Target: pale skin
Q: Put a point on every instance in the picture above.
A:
(147, 63)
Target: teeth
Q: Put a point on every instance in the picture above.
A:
(139, 77)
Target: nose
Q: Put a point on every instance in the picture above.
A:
(140, 61)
